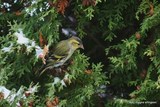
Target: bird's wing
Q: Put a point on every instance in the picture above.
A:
(61, 49)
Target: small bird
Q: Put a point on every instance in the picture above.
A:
(62, 52)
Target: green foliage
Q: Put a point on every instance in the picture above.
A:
(127, 32)
(19, 61)
(130, 56)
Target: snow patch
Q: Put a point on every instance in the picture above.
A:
(21, 37)
(7, 49)
(5, 91)
(27, 42)
(10, 97)
(57, 80)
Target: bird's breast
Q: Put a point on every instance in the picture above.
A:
(62, 61)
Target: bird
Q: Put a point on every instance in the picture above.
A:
(62, 51)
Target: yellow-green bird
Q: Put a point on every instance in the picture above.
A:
(62, 52)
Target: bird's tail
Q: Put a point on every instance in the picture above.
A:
(42, 69)
(49, 65)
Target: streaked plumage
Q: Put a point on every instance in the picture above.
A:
(62, 52)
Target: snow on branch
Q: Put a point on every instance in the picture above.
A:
(23, 40)
(11, 97)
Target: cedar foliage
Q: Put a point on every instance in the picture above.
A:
(127, 32)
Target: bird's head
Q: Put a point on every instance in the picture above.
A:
(76, 42)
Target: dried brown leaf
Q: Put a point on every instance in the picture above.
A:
(1, 95)
(42, 41)
(18, 13)
(45, 52)
(61, 5)
(151, 11)
(89, 2)
(88, 71)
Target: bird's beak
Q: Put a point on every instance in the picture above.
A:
(81, 46)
